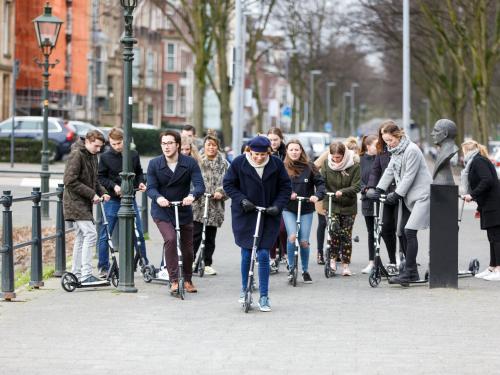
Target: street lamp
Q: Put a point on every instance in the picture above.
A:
(351, 117)
(126, 212)
(346, 95)
(312, 73)
(329, 85)
(47, 29)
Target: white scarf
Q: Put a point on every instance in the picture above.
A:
(346, 162)
(464, 175)
(259, 168)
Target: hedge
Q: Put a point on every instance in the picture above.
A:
(147, 141)
(26, 150)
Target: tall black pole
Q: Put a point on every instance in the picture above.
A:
(126, 212)
(44, 174)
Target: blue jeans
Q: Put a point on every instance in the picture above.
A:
(111, 208)
(263, 259)
(290, 219)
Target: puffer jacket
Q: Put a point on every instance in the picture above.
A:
(349, 182)
(81, 183)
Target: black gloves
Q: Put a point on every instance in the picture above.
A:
(374, 194)
(273, 211)
(392, 198)
(247, 205)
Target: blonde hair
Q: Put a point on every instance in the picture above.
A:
(472, 145)
(352, 144)
(193, 151)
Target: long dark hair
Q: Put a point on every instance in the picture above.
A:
(295, 168)
(388, 126)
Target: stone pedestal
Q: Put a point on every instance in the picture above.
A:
(443, 243)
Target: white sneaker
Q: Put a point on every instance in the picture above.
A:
(493, 276)
(482, 275)
(367, 269)
(210, 271)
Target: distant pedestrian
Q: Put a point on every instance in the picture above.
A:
(342, 177)
(110, 167)
(275, 136)
(306, 182)
(480, 183)
(188, 148)
(170, 177)
(413, 179)
(82, 190)
(390, 213)
(367, 157)
(257, 179)
(213, 168)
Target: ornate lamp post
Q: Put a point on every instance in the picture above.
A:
(126, 212)
(47, 29)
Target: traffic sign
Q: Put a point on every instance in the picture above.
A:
(328, 126)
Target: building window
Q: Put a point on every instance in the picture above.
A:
(169, 95)
(136, 67)
(109, 102)
(7, 14)
(182, 98)
(100, 73)
(135, 112)
(170, 58)
(150, 114)
(150, 69)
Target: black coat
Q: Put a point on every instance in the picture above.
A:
(273, 189)
(304, 185)
(174, 186)
(366, 163)
(110, 167)
(485, 190)
(379, 165)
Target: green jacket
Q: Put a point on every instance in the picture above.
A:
(347, 181)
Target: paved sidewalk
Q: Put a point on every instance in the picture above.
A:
(335, 326)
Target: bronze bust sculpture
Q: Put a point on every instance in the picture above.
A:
(443, 135)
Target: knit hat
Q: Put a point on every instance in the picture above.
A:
(259, 144)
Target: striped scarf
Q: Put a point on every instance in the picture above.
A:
(397, 156)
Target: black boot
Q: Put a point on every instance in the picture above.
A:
(405, 278)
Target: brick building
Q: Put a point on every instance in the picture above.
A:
(7, 22)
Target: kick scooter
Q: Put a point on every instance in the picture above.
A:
(200, 261)
(294, 271)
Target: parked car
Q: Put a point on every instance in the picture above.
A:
(62, 134)
(319, 142)
(82, 128)
(495, 159)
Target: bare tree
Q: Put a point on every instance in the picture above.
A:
(192, 22)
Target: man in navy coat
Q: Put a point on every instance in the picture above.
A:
(170, 177)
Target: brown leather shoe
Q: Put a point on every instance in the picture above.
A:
(174, 287)
(189, 286)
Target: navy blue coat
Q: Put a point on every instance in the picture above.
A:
(274, 189)
(174, 186)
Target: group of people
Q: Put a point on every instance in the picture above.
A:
(272, 174)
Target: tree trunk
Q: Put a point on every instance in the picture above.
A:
(199, 99)
(256, 94)
(225, 96)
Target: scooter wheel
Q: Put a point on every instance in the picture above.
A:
(374, 278)
(148, 273)
(181, 291)
(474, 266)
(69, 282)
(115, 279)
(248, 301)
(295, 274)
(327, 270)
(426, 276)
(201, 268)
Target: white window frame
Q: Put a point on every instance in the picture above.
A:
(136, 67)
(7, 15)
(170, 56)
(173, 99)
(150, 67)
